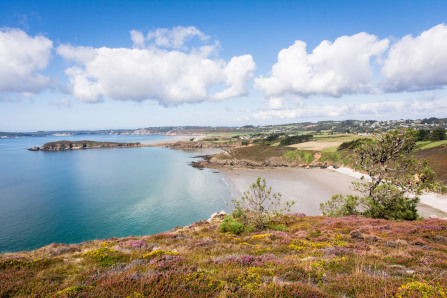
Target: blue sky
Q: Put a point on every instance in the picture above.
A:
(131, 64)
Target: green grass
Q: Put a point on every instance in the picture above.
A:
(330, 149)
(337, 137)
(301, 155)
(256, 153)
(429, 144)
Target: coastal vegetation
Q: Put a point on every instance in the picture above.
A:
(310, 257)
(255, 210)
(394, 176)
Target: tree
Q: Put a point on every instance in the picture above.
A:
(438, 134)
(394, 174)
(423, 134)
(258, 206)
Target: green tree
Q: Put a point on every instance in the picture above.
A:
(258, 206)
(393, 172)
(438, 134)
(423, 134)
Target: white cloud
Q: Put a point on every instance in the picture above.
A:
(237, 72)
(275, 103)
(332, 69)
(171, 77)
(21, 57)
(416, 63)
(374, 109)
(137, 38)
(174, 38)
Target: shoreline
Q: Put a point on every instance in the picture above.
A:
(173, 140)
(309, 187)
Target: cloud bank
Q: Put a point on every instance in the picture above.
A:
(161, 66)
(21, 59)
(347, 65)
(392, 108)
(332, 69)
(181, 65)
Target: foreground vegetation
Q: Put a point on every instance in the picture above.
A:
(311, 256)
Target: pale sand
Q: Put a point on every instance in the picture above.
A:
(175, 139)
(316, 145)
(437, 202)
(307, 187)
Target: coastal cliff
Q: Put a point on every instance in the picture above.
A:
(76, 145)
(264, 157)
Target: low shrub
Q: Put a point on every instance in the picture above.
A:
(231, 225)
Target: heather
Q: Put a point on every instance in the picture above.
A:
(310, 257)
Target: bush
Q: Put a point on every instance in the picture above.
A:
(295, 140)
(231, 225)
(388, 202)
(341, 206)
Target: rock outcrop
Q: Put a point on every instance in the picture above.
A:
(75, 145)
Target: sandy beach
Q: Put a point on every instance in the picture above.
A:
(175, 139)
(307, 187)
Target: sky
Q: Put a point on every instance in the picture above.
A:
(75, 65)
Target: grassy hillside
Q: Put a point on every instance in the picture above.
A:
(437, 160)
(311, 257)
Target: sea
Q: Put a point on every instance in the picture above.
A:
(80, 195)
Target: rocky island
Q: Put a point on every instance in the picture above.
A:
(75, 145)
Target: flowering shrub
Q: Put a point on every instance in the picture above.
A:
(158, 253)
(315, 257)
(262, 236)
(419, 289)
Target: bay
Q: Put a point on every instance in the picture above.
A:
(75, 196)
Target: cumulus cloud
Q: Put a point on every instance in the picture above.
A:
(21, 58)
(332, 69)
(414, 107)
(237, 72)
(416, 63)
(171, 77)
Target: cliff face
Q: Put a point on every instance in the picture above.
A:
(70, 145)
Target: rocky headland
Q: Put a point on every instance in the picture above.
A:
(76, 145)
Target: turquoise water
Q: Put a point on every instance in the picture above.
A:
(75, 196)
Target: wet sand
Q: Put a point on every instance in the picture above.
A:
(307, 187)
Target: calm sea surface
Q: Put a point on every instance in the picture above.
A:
(74, 196)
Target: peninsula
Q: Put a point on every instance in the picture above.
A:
(75, 145)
